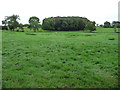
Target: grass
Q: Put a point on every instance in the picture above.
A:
(60, 59)
(0, 59)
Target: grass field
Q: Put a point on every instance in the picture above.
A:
(60, 59)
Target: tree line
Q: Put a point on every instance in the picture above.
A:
(54, 24)
(114, 24)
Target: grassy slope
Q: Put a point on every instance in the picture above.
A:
(60, 59)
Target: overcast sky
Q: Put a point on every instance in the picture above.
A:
(94, 10)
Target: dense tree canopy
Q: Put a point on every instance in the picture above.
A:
(65, 23)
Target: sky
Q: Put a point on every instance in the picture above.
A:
(95, 10)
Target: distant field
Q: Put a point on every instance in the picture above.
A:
(60, 59)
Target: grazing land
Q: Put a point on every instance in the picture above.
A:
(65, 59)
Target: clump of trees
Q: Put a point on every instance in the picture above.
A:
(12, 23)
(67, 24)
(114, 24)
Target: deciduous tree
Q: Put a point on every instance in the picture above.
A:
(34, 23)
(11, 21)
(107, 24)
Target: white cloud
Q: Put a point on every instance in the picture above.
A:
(95, 10)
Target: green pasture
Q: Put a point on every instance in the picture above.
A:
(69, 59)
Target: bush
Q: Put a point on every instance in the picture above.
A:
(90, 26)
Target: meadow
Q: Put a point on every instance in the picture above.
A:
(69, 59)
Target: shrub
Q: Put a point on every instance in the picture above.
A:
(89, 26)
